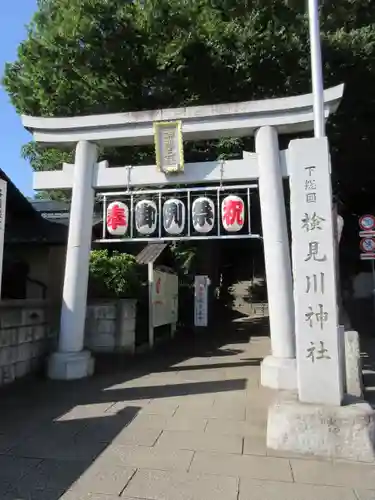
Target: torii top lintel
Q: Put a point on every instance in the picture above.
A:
(288, 115)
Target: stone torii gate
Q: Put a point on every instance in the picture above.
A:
(265, 119)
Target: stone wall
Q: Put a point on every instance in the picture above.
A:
(26, 333)
(110, 326)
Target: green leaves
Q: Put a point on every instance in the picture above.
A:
(84, 57)
(114, 275)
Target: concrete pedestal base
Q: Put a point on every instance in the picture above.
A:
(344, 432)
(70, 365)
(279, 373)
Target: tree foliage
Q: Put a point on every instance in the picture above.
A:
(114, 275)
(103, 56)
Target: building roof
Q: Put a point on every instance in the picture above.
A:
(150, 253)
(49, 206)
(16, 201)
(23, 224)
(58, 211)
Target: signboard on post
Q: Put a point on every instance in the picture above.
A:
(317, 335)
(367, 223)
(169, 147)
(201, 300)
(367, 245)
(165, 298)
(367, 235)
(3, 196)
(162, 300)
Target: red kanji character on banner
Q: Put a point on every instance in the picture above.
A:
(232, 213)
(117, 218)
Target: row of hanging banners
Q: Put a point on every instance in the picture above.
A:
(178, 214)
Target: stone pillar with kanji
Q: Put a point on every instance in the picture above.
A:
(314, 264)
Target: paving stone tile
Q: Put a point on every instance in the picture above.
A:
(55, 432)
(255, 445)
(8, 441)
(161, 485)
(278, 490)
(120, 434)
(256, 415)
(255, 467)
(121, 405)
(147, 458)
(217, 410)
(201, 402)
(140, 437)
(153, 380)
(186, 440)
(5, 486)
(12, 469)
(203, 398)
(86, 411)
(43, 440)
(106, 479)
(73, 495)
(60, 449)
(251, 373)
(334, 474)
(229, 409)
(149, 421)
(260, 398)
(365, 494)
(235, 428)
(159, 422)
(160, 407)
(185, 423)
(196, 360)
(53, 475)
(232, 396)
(207, 375)
(290, 454)
(18, 493)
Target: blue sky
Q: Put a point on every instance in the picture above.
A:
(14, 17)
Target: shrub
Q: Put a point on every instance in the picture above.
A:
(114, 275)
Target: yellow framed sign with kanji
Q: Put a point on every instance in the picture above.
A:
(169, 147)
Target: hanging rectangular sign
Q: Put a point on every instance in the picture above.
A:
(178, 214)
(317, 336)
(169, 148)
(3, 196)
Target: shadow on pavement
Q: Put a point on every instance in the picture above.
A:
(51, 433)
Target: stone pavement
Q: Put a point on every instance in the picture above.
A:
(186, 423)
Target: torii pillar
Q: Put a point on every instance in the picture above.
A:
(71, 361)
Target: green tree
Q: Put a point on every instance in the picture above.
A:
(113, 275)
(102, 56)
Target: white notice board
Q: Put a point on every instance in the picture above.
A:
(164, 298)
